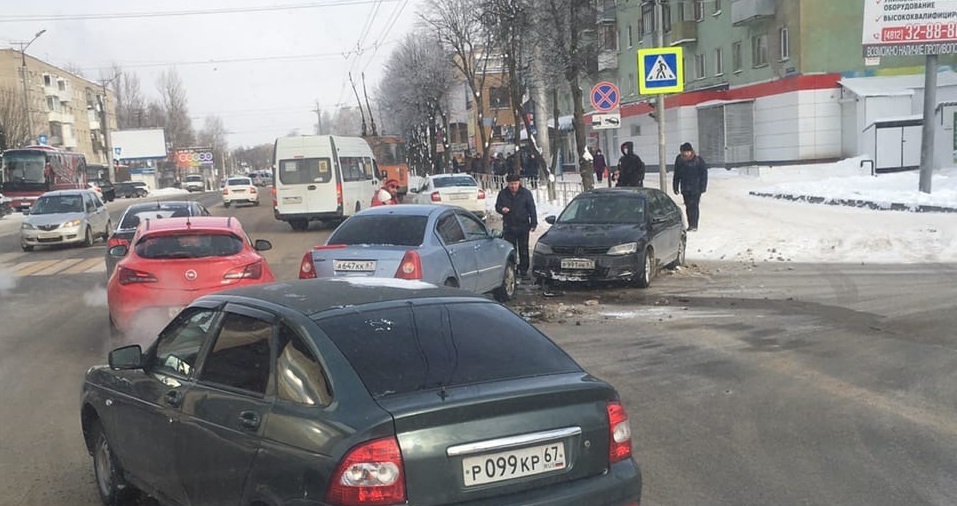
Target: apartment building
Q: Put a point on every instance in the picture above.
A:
(63, 106)
(762, 78)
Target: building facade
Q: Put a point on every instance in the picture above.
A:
(65, 108)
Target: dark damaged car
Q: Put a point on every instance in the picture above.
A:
(355, 391)
(612, 234)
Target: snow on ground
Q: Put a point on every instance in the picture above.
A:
(738, 226)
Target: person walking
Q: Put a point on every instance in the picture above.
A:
(600, 165)
(691, 179)
(387, 195)
(631, 169)
(519, 217)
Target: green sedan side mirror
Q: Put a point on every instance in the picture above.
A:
(127, 357)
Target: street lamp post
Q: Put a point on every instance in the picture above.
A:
(23, 70)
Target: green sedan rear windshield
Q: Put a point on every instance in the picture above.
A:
(408, 349)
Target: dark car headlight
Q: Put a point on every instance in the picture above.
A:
(623, 249)
(543, 248)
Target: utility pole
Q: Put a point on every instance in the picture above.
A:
(927, 137)
(105, 127)
(541, 116)
(318, 111)
(362, 114)
(660, 104)
(368, 107)
(26, 90)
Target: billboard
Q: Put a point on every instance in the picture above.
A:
(141, 144)
(909, 27)
(192, 158)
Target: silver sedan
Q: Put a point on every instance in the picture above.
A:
(65, 217)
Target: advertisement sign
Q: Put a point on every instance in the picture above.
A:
(909, 27)
(139, 144)
(190, 158)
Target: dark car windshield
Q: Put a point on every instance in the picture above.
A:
(401, 350)
(58, 204)
(601, 209)
(448, 182)
(189, 246)
(381, 229)
(136, 215)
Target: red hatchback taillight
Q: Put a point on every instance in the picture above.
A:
(306, 269)
(436, 197)
(251, 271)
(370, 474)
(619, 433)
(132, 276)
(410, 267)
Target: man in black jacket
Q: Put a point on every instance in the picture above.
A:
(691, 178)
(631, 170)
(517, 207)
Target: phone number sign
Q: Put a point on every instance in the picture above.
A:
(193, 157)
(909, 27)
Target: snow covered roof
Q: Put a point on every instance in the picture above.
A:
(894, 86)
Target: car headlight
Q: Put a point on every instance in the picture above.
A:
(623, 249)
(543, 248)
(74, 223)
(27, 226)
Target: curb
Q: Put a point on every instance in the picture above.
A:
(857, 203)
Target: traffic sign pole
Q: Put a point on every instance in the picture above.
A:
(660, 105)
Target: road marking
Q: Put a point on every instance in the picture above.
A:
(8, 257)
(87, 265)
(31, 268)
(60, 266)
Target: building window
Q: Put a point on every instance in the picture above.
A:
(717, 7)
(498, 97)
(47, 80)
(52, 103)
(785, 43)
(631, 41)
(699, 65)
(647, 19)
(718, 62)
(635, 130)
(632, 84)
(736, 56)
(666, 13)
(759, 50)
(698, 10)
(610, 36)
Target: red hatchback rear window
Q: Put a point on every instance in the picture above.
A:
(189, 246)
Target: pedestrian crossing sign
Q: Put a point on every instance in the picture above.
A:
(660, 70)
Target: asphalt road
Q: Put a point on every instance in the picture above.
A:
(747, 384)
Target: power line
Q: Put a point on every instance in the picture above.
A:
(381, 40)
(158, 14)
(221, 61)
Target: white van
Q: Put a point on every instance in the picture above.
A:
(322, 177)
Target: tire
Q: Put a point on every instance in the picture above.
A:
(256, 203)
(26, 247)
(451, 283)
(680, 257)
(643, 279)
(110, 484)
(299, 225)
(506, 291)
(88, 237)
(106, 232)
(226, 204)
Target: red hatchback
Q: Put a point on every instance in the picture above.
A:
(175, 260)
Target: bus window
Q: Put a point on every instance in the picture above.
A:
(305, 171)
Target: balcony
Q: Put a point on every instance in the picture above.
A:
(607, 12)
(684, 32)
(748, 11)
(607, 60)
(94, 119)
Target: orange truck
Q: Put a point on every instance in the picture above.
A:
(389, 151)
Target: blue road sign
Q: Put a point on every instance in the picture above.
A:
(42, 139)
(660, 70)
(605, 96)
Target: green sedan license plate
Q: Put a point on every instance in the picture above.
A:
(513, 464)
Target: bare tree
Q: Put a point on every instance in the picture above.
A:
(567, 36)
(14, 127)
(179, 128)
(155, 116)
(130, 104)
(256, 157)
(213, 134)
(74, 69)
(457, 24)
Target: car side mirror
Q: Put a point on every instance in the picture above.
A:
(119, 251)
(496, 233)
(127, 357)
(551, 219)
(262, 245)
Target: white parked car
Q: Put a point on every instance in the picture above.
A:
(194, 183)
(452, 189)
(240, 189)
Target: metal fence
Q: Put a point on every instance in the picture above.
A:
(565, 191)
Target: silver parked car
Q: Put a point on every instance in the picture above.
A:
(65, 217)
(441, 245)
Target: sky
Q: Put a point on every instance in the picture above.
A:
(291, 53)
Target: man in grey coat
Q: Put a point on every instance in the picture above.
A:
(691, 180)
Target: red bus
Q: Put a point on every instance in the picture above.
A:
(31, 171)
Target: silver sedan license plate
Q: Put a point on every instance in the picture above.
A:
(354, 265)
(513, 464)
(578, 263)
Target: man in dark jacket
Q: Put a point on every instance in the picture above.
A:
(691, 179)
(631, 170)
(517, 207)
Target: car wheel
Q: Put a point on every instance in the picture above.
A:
(643, 279)
(113, 489)
(680, 257)
(226, 204)
(256, 203)
(88, 237)
(506, 291)
(299, 225)
(106, 231)
(26, 247)
(451, 283)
